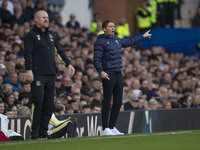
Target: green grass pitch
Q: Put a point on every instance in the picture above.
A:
(177, 140)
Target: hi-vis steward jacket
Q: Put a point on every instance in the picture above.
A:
(40, 48)
(107, 52)
(143, 18)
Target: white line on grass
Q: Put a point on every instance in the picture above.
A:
(91, 138)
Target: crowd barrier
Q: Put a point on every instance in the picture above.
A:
(128, 122)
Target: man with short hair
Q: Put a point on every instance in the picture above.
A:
(12, 80)
(26, 87)
(22, 76)
(108, 63)
(41, 45)
(6, 88)
(66, 84)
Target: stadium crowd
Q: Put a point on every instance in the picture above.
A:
(153, 78)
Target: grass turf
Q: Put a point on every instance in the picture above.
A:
(179, 140)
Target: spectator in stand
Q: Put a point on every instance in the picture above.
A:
(163, 93)
(132, 104)
(12, 80)
(11, 56)
(8, 112)
(58, 89)
(63, 99)
(16, 96)
(6, 88)
(78, 74)
(9, 99)
(166, 77)
(153, 104)
(77, 84)
(74, 105)
(66, 84)
(96, 84)
(21, 76)
(19, 16)
(195, 102)
(58, 21)
(86, 108)
(5, 15)
(73, 23)
(96, 106)
(17, 49)
(59, 108)
(51, 14)
(10, 67)
(29, 10)
(166, 105)
(135, 84)
(196, 19)
(24, 111)
(38, 5)
(140, 103)
(24, 98)
(187, 103)
(175, 85)
(173, 99)
(85, 94)
(81, 104)
(79, 64)
(76, 96)
(148, 89)
(69, 109)
(14, 110)
(26, 87)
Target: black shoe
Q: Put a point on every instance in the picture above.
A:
(34, 136)
(42, 136)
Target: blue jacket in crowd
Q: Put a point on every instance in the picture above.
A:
(107, 52)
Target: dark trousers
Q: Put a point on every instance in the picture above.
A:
(170, 14)
(112, 87)
(42, 89)
(162, 10)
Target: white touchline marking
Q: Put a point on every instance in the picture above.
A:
(93, 138)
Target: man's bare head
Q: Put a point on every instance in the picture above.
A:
(41, 19)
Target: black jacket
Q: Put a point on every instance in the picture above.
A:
(107, 52)
(39, 51)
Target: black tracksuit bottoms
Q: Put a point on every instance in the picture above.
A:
(42, 89)
(112, 87)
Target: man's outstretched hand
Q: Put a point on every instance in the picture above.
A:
(146, 34)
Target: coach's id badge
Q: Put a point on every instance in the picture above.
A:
(38, 83)
(38, 37)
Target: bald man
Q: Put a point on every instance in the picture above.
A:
(40, 46)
